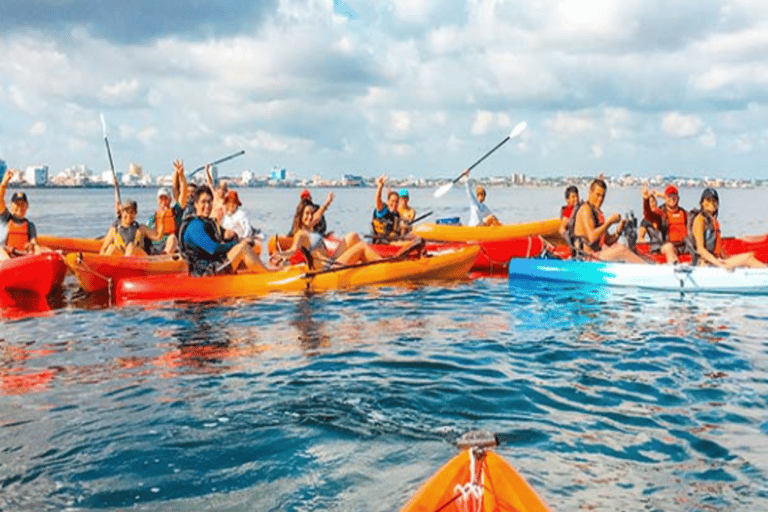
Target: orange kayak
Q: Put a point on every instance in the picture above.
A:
(495, 487)
(96, 272)
(452, 233)
(452, 265)
(34, 273)
(67, 245)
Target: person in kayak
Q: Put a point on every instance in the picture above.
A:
(127, 236)
(219, 192)
(203, 247)
(479, 213)
(385, 222)
(405, 211)
(349, 251)
(235, 220)
(571, 200)
(588, 229)
(319, 225)
(167, 220)
(651, 229)
(705, 234)
(21, 235)
(672, 221)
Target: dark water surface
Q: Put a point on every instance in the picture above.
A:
(605, 399)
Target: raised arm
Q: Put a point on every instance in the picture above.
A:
(321, 211)
(379, 188)
(4, 187)
(178, 166)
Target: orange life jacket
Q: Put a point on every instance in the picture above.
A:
(18, 234)
(675, 225)
(169, 221)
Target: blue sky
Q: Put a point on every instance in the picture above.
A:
(421, 88)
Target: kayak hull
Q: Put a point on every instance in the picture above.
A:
(96, 273)
(452, 233)
(492, 258)
(504, 488)
(676, 278)
(454, 265)
(33, 273)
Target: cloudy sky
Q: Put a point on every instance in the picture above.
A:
(406, 87)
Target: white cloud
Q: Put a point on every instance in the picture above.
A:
(37, 129)
(675, 124)
(569, 124)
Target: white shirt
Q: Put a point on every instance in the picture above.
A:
(477, 210)
(237, 222)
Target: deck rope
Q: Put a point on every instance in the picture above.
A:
(85, 267)
(471, 492)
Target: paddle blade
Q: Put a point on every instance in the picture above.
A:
(103, 125)
(518, 129)
(440, 192)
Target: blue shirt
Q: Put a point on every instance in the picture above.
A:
(196, 235)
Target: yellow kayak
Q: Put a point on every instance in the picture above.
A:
(452, 233)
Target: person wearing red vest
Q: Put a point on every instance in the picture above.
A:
(21, 235)
(571, 202)
(671, 219)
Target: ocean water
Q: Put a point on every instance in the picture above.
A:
(604, 399)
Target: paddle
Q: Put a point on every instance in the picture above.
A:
(220, 160)
(111, 163)
(421, 217)
(517, 130)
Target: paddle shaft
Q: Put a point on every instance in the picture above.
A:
(219, 161)
(489, 153)
(112, 166)
(421, 217)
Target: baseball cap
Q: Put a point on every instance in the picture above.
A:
(19, 196)
(403, 193)
(305, 194)
(232, 196)
(671, 190)
(162, 191)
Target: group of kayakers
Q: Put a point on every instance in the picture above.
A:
(206, 225)
(671, 229)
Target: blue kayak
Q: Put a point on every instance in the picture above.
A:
(653, 277)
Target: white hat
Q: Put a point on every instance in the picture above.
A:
(163, 192)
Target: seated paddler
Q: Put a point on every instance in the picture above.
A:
(588, 230)
(203, 245)
(19, 235)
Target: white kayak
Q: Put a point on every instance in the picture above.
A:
(637, 275)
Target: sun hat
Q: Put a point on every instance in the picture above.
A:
(162, 191)
(305, 194)
(671, 190)
(403, 193)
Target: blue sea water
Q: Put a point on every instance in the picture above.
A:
(604, 399)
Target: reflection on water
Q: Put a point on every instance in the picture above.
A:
(606, 399)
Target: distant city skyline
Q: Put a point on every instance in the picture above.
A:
(420, 88)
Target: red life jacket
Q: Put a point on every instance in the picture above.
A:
(674, 224)
(566, 211)
(18, 234)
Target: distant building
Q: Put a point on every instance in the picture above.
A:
(277, 174)
(36, 175)
(135, 170)
(3, 168)
(351, 180)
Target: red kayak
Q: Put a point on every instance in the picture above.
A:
(493, 257)
(35, 273)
